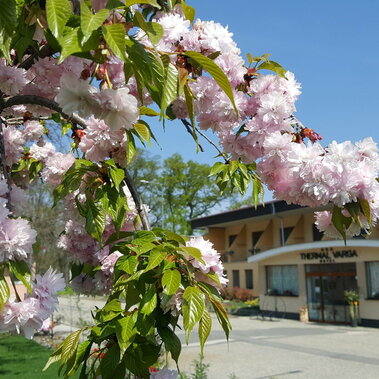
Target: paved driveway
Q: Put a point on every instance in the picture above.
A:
(288, 349)
(279, 349)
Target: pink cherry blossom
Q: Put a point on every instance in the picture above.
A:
(12, 79)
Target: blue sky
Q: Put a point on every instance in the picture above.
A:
(331, 46)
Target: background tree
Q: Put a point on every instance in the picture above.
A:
(176, 191)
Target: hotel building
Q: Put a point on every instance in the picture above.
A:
(276, 251)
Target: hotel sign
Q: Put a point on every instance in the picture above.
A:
(328, 255)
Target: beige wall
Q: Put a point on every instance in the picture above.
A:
(369, 309)
(302, 222)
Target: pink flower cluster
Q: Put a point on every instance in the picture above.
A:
(211, 258)
(300, 173)
(83, 249)
(55, 163)
(28, 315)
(16, 235)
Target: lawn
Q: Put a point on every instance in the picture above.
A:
(22, 358)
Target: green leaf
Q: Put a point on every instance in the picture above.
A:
(233, 166)
(109, 362)
(70, 345)
(190, 108)
(366, 210)
(58, 12)
(170, 90)
(171, 281)
(54, 357)
(142, 248)
(117, 175)
(125, 330)
(205, 326)
(354, 210)
(21, 271)
(115, 35)
(131, 148)
(188, 11)
(193, 252)
(217, 167)
(127, 264)
(111, 310)
(340, 222)
(143, 131)
(154, 3)
(8, 16)
(192, 308)
(4, 289)
(175, 237)
(154, 32)
(23, 38)
(273, 66)
(222, 317)
(70, 44)
(146, 111)
(149, 302)
(156, 257)
(89, 21)
(112, 4)
(213, 276)
(95, 220)
(81, 353)
(216, 72)
(171, 341)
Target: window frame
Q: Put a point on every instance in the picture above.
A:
(282, 291)
(369, 282)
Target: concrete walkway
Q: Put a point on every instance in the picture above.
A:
(278, 349)
(285, 349)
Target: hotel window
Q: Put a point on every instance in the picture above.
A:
(236, 278)
(255, 236)
(282, 280)
(372, 270)
(317, 235)
(231, 239)
(284, 234)
(249, 279)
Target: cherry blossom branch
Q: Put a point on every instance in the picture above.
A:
(42, 101)
(191, 132)
(188, 126)
(38, 100)
(44, 52)
(4, 166)
(15, 289)
(137, 200)
(50, 104)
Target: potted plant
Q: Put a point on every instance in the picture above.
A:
(352, 298)
(304, 314)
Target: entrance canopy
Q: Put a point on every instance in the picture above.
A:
(311, 246)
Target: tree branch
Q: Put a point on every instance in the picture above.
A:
(38, 100)
(44, 52)
(137, 200)
(188, 126)
(192, 132)
(4, 166)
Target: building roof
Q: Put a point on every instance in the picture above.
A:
(222, 219)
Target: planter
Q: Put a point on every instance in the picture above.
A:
(304, 314)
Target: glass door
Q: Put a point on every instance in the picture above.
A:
(314, 298)
(335, 309)
(325, 294)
